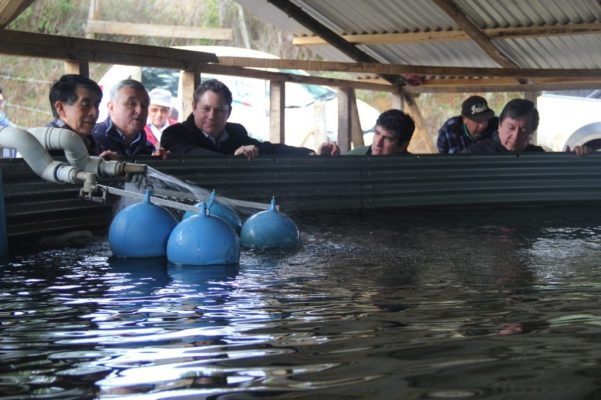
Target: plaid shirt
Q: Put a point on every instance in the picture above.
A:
(452, 136)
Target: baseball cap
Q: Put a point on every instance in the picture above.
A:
(476, 109)
(160, 97)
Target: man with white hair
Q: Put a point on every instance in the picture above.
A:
(159, 110)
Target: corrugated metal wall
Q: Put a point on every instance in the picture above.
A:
(35, 207)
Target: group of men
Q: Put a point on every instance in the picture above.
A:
(140, 123)
(478, 131)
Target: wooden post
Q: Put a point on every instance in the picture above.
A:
(189, 80)
(344, 119)
(77, 67)
(356, 131)
(421, 142)
(533, 97)
(93, 13)
(277, 111)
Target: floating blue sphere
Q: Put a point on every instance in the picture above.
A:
(216, 209)
(203, 239)
(141, 230)
(268, 230)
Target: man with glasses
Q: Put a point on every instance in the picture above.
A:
(4, 121)
(207, 132)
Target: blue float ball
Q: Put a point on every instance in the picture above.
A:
(216, 209)
(268, 230)
(141, 230)
(203, 239)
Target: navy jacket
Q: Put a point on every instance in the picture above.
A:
(108, 138)
(185, 139)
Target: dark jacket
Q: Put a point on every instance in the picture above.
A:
(493, 145)
(89, 141)
(185, 139)
(108, 138)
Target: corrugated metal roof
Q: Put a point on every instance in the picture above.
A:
(394, 16)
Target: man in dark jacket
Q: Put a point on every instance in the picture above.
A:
(207, 132)
(123, 130)
(74, 101)
(517, 123)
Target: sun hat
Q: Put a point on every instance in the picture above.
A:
(160, 97)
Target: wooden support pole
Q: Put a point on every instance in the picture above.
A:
(344, 119)
(277, 112)
(349, 126)
(356, 131)
(189, 80)
(77, 67)
(421, 142)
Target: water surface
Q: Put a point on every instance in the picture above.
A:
(419, 304)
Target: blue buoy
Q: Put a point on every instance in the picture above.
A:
(269, 229)
(141, 230)
(203, 239)
(217, 209)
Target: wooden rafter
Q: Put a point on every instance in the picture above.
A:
(89, 50)
(153, 30)
(455, 13)
(296, 13)
(396, 69)
(455, 35)
(10, 9)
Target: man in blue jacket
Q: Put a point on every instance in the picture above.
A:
(207, 132)
(123, 131)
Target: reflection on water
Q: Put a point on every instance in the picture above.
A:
(420, 305)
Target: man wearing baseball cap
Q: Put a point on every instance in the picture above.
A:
(159, 111)
(476, 122)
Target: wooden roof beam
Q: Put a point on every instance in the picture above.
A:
(502, 85)
(10, 9)
(178, 31)
(448, 36)
(331, 37)
(88, 50)
(398, 69)
(455, 13)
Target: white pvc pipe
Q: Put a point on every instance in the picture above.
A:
(36, 156)
(76, 152)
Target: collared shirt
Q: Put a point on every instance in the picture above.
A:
(218, 142)
(130, 149)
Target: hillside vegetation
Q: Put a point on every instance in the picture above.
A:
(26, 81)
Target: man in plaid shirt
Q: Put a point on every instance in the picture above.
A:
(476, 122)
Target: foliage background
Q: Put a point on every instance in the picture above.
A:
(26, 81)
